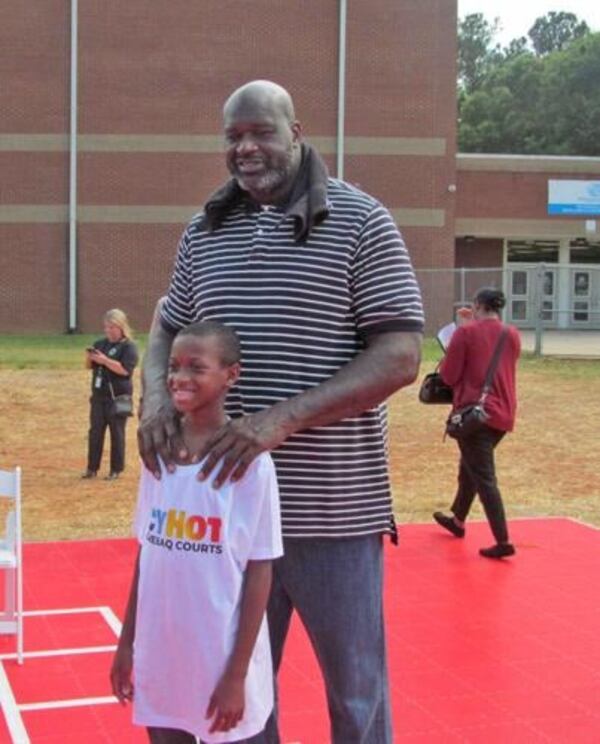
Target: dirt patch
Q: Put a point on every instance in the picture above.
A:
(548, 466)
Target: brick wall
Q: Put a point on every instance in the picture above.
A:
(153, 69)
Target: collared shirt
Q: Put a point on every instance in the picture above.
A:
(302, 311)
(125, 352)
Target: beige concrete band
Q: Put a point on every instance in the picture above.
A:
(527, 163)
(508, 228)
(212, 143)
(141, 214)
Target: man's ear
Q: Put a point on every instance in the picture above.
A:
(233, 373)
(296, 128)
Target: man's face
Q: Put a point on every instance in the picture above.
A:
(262, 149)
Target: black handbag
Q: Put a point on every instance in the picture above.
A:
(467, 420)
(434, 390)
(122, 405)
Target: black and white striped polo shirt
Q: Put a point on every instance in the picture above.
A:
(302, 311)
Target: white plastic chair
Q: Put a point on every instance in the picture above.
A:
(11, 559)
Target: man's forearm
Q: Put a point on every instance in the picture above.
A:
(154, 367)
(390, 362)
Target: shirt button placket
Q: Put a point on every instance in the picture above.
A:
(259, 246)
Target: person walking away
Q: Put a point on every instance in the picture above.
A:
(464, 368)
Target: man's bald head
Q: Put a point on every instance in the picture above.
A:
(262, 141)
(262, 93)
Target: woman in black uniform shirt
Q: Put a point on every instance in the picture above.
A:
(112, 360)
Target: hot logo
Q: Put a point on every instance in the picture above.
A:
(176, 530)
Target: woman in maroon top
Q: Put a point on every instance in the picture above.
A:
(464, 368)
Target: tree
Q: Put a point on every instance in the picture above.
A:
(571, 98)
(501, 115)
(516, 47)
(475, 53)
(535, 102)
(555, 31)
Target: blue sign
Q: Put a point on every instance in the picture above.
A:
(574, 197)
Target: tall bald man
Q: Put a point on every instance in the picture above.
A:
(315, 278)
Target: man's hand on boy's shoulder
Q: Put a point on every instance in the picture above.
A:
(241, 440)
(226, 703)
(159, 435)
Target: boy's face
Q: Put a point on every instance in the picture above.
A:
(197, 376)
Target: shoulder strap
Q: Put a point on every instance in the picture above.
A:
(491, 371)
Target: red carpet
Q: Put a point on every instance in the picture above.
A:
(480, 651)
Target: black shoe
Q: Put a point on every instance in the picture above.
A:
(89, 474)
(449, 524)
(112, 476)
(501, 550)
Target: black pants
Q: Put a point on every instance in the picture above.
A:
(477, 475)
(100, 418)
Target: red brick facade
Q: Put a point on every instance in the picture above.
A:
(164, 69)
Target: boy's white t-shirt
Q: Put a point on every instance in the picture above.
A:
(195, 543)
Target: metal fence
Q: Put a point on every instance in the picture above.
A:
(556, 306)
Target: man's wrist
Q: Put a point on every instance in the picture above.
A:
(288, 419)
(156, 402)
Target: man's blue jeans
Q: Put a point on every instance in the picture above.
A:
(336, 586)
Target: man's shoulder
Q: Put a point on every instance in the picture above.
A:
(195, 223)
(343, 194)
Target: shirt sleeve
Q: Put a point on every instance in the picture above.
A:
(267, 542)
(129, 357)
(386, 295)
(177, 311)
(142, 509)
(453, 363)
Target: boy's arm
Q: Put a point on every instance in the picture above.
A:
(122, 666)
(227, 701)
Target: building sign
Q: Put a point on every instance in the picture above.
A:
(574, 197)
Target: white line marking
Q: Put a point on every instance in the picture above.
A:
(10, 709)
(75, 703)
(61, 652)
(64, 611)
(112, 620)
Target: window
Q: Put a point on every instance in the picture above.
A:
(532, 251)
(583, 252)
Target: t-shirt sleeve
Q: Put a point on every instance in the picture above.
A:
(177, 309)
(129, 358)
(386, 295)
(267, 542)
(143, 506)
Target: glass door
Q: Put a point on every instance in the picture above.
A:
(549, 316)
(519, 308)
(580, 296)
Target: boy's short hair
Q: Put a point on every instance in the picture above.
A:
(231, 352)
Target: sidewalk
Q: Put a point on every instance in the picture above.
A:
(580, 344)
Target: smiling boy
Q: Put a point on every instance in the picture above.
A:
(195, 635)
